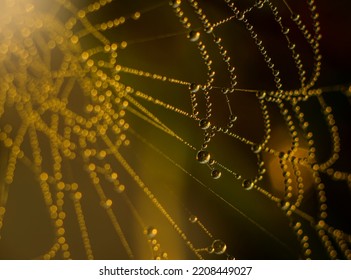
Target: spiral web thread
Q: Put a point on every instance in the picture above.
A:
(46, 61)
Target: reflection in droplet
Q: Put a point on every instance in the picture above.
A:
(204, 124)
(150, 232)
(256, 149)
(193, 219)
(216, 174)
(194, 87)
(203, 157)
(247, 185)
(219, 247)
(193, 36)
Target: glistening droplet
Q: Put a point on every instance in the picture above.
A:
(256, 148)
(261, 94)
(204, 124)
(216, 174)
(175, 3)
(203, 156)
(193, 36)
(219, 247)
(247, 185)
(150, 232)
(193, 219)
(194, 87)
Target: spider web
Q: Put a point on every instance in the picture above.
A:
(181, 130)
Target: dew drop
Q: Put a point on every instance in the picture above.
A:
(260, 4)
(210, 249)
(193, 36)
(261, 94)
(285, 30)
(225, 90)
(262, 171)
(204, 124)
(193, 219)
(216, 174)
(241, 16)
(247, 185)
(107, 204)
(292, 46)
(219, 247)
(136, 15)
(203, 156)
(207, 139)
(284, 205)
(208, 29)
(233, 118)
(194, 87)
(120, 188)
(295, 17)
(150, 232)
(175, 3)
(256, 149)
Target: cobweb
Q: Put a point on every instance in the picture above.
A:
(170, 130)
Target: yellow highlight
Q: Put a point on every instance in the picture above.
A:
(61, 240)
(108, 203)
(44, 176)
(78, 195)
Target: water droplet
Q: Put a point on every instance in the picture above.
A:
(216, 174)
(284, 205)
(120, 188)
(256, 149)
(261, 94)
(292, 46)
(175, 3)
(192, 219)
(295, 17)
(233, 118)
(194, 87)
(262, 171)
(241, 16)
(225, 90)
(285, 30)
(151, 232)
(210, 249)
(247, 185)
(193, 36)
(205, 124)
(107, 204)
(136, 15)
(260, 4)
(208, 29)
(219, 247)
(217, 40)
(207, 139)
(231, 69)
(203, 156)
(283, 155)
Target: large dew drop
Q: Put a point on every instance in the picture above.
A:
(203, 156)
(219, 247)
